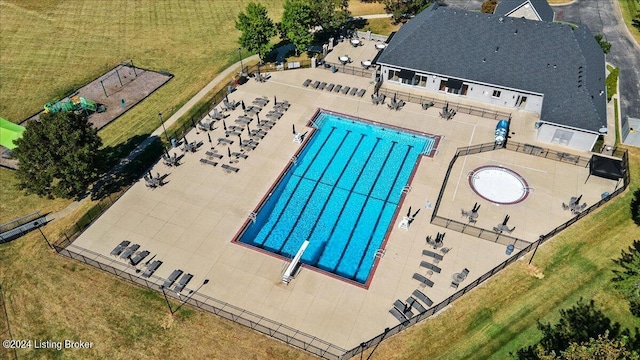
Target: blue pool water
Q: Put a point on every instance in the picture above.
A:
(341, 195)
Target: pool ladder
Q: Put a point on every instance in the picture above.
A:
(252, 216)
(294, 159)
(379, 253)
(406, 189)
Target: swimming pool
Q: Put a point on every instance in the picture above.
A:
(341, 194)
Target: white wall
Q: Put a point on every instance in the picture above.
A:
(566, 137)
(475, 91)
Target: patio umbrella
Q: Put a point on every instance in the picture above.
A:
(210, 142)
(167, 153)
(194, 125)
(244, 108)
(229, 152)
(150, 176)
(578, 199)
(224, 125)
(248, 129)
(185, 140)
(258, 117)
(226, 97)
(275, 101)
(409, 212)
(506, 219)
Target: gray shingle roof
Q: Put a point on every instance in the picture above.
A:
(565, 65)
(541, 7)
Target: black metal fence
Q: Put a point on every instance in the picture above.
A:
(21, 226)
(256, 322)
(5, 330)
(19, 221)
(465, 109)
(347, 69)
(531, 246)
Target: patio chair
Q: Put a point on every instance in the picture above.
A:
(353, 91)
(396, 314)
(306, 83)
(337, 88)
(172, 278)
(315, 84)
(139, 257)
(565, 206)
(445, 250)
(422, 297)
(426, 106)
(361, 92)
(403, 308)
(322, 86)
(118, 249)
(455, 284)
(423, 279)
(183, 282)
(208, 162)
(465, 272)
(415, 304)
(229, 169)
(152, 268)
(330, 87)
(129, 251)
(345, 90)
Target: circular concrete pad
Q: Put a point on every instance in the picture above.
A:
(498, 185)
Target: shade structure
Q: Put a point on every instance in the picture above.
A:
(454, 84)
(406, 74)
(606, 167)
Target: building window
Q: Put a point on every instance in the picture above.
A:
(496, 93)
(393, 75)
(443, 85)
(422, 81)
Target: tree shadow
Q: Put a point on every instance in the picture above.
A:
(115, 176)
(635, 207)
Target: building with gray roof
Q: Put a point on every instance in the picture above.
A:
(529, 9)
(547, 68)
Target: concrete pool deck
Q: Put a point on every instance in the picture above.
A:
(190, 221)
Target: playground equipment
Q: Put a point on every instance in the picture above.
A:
(9, 132)
(75, 103)
(502, 130)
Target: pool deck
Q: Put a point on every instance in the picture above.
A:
(190, 221)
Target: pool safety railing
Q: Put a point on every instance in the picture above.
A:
(288, 274)
(252, 216)
(314, 124)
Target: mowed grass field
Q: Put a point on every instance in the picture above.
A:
(50, 47)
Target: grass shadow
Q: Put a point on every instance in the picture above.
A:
(635, 207)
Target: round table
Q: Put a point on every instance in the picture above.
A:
(366, 63)
(380, 46)
(458, 277)
(344, 59)
(355, 42)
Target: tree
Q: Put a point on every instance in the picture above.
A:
(602, 348)
(604, 44)
(58, 155)
(297, 23)
(636, 20)
(403, 10)
(627, 280)
(578, 324)
(257, 29)
(329, 14)
(489, 6)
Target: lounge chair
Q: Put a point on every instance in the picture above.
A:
(239, 155)
(361, 92)
(208, 162)
(118, 249)
(322, 86)
(139, 257)
(212, 154)
(403, 308)
(129, 251)
(423, 279)
(315, 84)
(330, 87)
(172, 278)
(345, 90)
(427, 265)
(337, 88)
(455, 284)
(229, 169)
(152, 268)
(565, 206)
(415, 304)
(183, 282)
(242, 121)
(306, 83)
(353, 91)
(432, 254)
(422, 297)
(396, 314)
(224, 141)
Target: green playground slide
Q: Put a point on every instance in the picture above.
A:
(9, 132)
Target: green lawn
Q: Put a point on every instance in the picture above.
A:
(629, 10)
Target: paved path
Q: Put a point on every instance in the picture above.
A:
(374, 16)
(133, 154)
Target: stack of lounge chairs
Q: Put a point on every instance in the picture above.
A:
(262, 77)
(447, 113)
(396, 104)
(335, 88)
(378, 99)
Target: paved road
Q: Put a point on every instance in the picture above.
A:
(602, 17)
